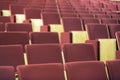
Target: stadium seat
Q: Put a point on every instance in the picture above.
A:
(44, 37)
(86, 70)
(19, 27)
(113, 69)
(78, 52)
(7, 73)
(41, 72)
(43, 53)
(11, 55)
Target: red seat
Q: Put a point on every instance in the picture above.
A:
(19, 27)
(41, 72)
(96, 31)
(113, 67)
(7, 73)
(78, 52)
(43, 53)
(11, 55)
(86, 70)
(44, 37)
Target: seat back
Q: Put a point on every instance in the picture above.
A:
(19, 27)
(41, 72)
(96, 31)
(8, 38)
(86, 70)
(11, 55)
(44, 37)
(113, 67)
(7, 73)
(78, 52)
(71, 24)
(43, 53)
(50, 18)
(113, 28)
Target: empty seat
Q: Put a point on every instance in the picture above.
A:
(102, 16)
(44, 37)
(32, 13)
(50, 9)
(4, 19)
(7, 38)
(4, 5)
(90, 20)
(7, 73)
(11, 55)
(19, 27)
(16, 9)
(86, 21)
(50, 18)
(96, 31)
(71, 24)
(2, 27)
(68, 15)
(66, 10)
(41, 72)
(109, 21)
(87, 15)
(113, 28)
(113, 67)
(86, 70)
(78, 52)
(96, 12)
(43, 53)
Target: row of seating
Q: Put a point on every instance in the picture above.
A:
(68, 24)
(54, 17)
(108, 30)
(85, 70)
(35, 13)
(45, 53)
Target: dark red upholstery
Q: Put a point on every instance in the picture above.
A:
(50, 18)
(7, 38)
(44, 37)
(32, 13)
(5, 19)
(113, 69)
(16, 9)
(86, 70)
(118, 54)
(19, 27)
(96, 31)
(11, 55)
(71, 24)
(43, 53)
(95, 44)
(7, 73)
(113, 28)
(102, 16)
(2, 27)
(51, 71)
(109, 21)
(78, 52)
